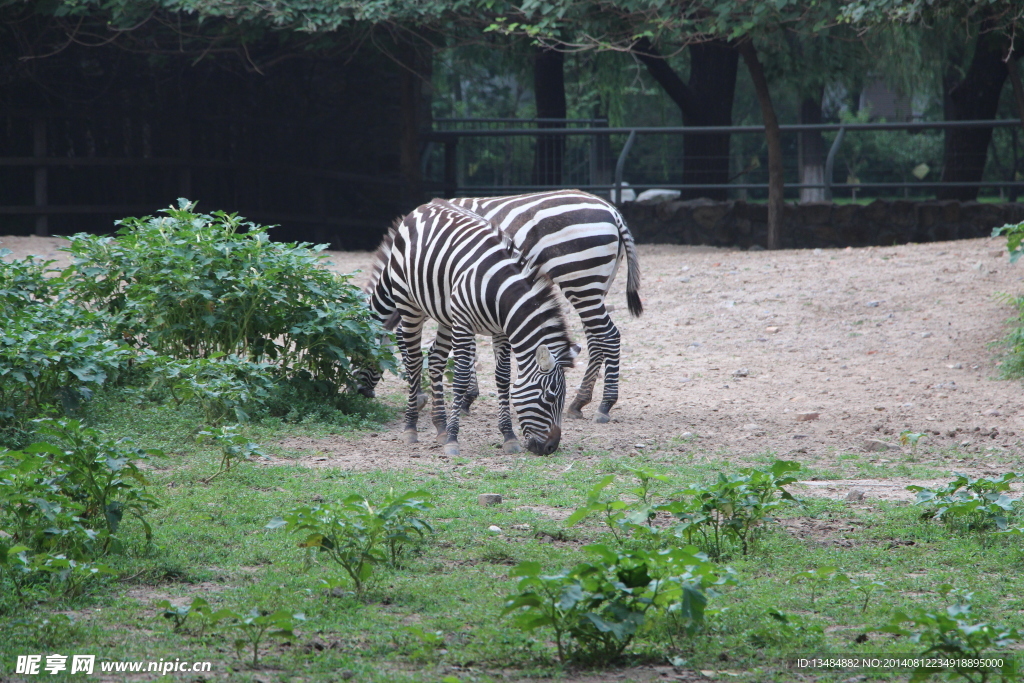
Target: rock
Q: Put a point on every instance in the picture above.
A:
(686, 435)
(751, 427)
(742, 372)
(771, 330)
(992, 413)
(925, 335)
(807, 417)
(488, 499)
(854, 495)
(656, 196)
(873, 304)
(494, 529)
(875, 445)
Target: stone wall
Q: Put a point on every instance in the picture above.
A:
(883, 222)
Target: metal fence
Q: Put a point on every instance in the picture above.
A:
(499, 156)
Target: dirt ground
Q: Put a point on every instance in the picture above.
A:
(736, 349)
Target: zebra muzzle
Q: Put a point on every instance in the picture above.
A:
(546, 446)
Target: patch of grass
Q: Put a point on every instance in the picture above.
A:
(441, 608)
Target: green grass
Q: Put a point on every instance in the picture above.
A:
(212, 543)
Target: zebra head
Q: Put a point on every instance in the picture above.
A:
(538, 396)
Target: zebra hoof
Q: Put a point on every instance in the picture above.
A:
(464, 411)
(421, 401)
(410, 436)
(511, 446)
(600, 418)
(451, 449)
(442, 436)
(574, 412)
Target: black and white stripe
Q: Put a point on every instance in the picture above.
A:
(446, 263)
(578, 241)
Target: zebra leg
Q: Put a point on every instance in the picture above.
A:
(462, 350)
(602, 349)
(412, 354)
(503, 378)
(474, 387)
(437, 360)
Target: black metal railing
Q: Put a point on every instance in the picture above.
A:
(501, 157)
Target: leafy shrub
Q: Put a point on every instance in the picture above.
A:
(192, 285)
(597, 608)
(233, 446)
(970, 504)
(357, 535)
(732, 510)
(1014, 236)
(254, 625)
(224, 386)
(71, 495)
(954, 642)
(53, 353)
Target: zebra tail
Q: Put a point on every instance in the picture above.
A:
(632, 269)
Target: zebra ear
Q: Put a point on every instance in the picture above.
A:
(545, 361)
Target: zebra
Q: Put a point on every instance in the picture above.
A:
(578, 241)
(446, 263)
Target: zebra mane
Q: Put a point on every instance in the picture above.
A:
(381, 256)
(506, 241)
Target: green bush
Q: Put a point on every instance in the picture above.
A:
(597, 608)
(970, 504)
(357, 535)
(957, 644)
(733, 510)
(53, 353)
(70, 496)
(191, 285)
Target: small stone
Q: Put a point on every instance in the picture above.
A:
(872, 304)
(925, 335)
(855, 495)
(874, 445)
(992, 413)
(807, 416)
(742, 372)
(494, 529)
(956, 366)
(639, 445)
(488, 499)
(751, 427)
(879, 407)
(772, 329)
(686, 435)
(684, 279)
(521, 527)
(997, 254)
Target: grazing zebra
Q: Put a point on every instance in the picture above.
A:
(577, 240)
(448, 264)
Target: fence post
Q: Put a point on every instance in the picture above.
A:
(620, 165)
(451, 183)
(830, 161)
(39, 152)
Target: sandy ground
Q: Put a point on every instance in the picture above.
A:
(735, 347)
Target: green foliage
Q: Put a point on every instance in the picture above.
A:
(226, 387)
(71, 495)
(732, 510)
(596, 608)
(909, 438)
(956, 642)
(179, 615)
(53, 354)
(357, 535)
(233, 447)
(1014, 235)
(970, 504)
(191, 285)
(255, 625)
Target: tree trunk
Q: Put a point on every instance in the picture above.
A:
(976, 97)
(774, 138)
(415, 98)
(549, 94)
(705, 101)
(812, 151)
